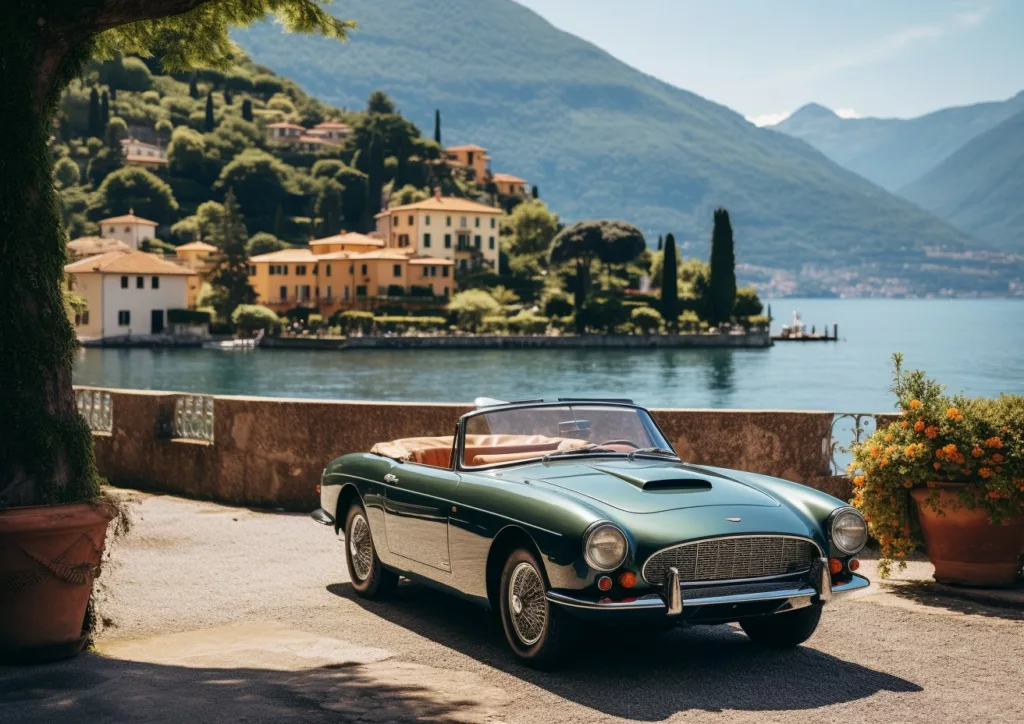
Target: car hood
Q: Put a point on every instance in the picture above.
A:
(642, 485)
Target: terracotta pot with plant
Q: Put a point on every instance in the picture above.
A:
(961, 461)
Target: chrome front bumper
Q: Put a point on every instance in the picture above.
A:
(672, 600)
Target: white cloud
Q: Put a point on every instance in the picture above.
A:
(768, 119)
(846, 113)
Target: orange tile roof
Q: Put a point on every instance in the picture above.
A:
(507, 178)
(466, 147)
(129, 218)
(388, 254)
(332, 124)
(301, 254)
(446, 203)
(197, 246)
(285, 124)
(126, 262)
(350, 237)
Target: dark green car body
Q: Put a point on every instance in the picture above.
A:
(452, 528)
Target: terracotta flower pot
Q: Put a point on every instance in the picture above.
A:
(49, 556)
(964, 546)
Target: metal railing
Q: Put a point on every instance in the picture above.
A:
(193, 418)
(852, 427)
(96, 407)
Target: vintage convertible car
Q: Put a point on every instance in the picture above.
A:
(560, 513)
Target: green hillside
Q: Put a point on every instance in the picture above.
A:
(894, 152)
(604, 140)
(980, 188)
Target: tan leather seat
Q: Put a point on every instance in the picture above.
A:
(437, 451)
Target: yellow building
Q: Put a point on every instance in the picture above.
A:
(471, 156)
(198, 256)
(509, 185)
(459, 230)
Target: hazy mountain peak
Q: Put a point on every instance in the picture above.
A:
(813, 111)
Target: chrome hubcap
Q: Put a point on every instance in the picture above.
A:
(360, 547)
(528, 608)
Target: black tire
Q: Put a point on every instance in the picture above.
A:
(783, 630)
(550, 633)
(370, 579)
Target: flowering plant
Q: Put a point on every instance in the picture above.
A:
(938, 440)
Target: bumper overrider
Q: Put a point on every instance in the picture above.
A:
(716, 603)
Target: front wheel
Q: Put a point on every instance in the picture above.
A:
(369, 578)
(783, 630)
(538, 632)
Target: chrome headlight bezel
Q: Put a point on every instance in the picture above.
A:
(603, 528)
(838, 515)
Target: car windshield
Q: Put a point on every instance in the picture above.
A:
(516, 434)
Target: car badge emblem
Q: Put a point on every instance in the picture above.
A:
(734, 520)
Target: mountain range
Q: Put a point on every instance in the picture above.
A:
(603, 140)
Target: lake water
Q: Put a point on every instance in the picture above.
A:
(975, 346)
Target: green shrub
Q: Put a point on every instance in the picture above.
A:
(188, 316)
(252, 317)
(645, 320)
(494, 324)
(526, 322)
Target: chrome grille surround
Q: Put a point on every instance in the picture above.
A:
(733, 558)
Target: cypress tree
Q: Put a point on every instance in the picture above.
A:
(193, 88)
(535, 192)
(661, 242)
(437, 126)
(95, 118)
(209, 125)
(670, 282)
(247, 110)
(722, 291)
(227, 96)
(105, 109)
(113, 93)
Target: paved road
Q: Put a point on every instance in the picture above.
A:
(220, 614)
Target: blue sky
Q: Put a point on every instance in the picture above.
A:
(766, 58)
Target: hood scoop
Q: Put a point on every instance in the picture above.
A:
(676, 485)
(658, 479)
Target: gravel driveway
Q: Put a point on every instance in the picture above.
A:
(226, 614)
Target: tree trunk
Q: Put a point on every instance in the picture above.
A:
(46, 451)
(580, 293)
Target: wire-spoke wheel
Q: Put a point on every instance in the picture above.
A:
(528, 605)
(369, 578)
(538, 631)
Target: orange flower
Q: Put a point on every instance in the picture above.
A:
(918, 426)
(883, 462)
(977, 452)
(940, 454)
(914, 404)
(911, 450)
(858, 481)
(950, 449)
(994, 442)
(997, 458)
(931, 431)
(954, 414)
(993, 495)
(936, 465)
(904, 424)
(873, 451)
(888, 437)
(908, 483)
(985, 472)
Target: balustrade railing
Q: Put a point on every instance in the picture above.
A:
(96, 407)
(193, 417)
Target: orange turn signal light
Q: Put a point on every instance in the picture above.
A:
(835, 566)
(854, 564)
(604, 583)
(627, 579)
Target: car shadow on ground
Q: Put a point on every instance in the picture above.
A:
(645, 675)
(93, 688)
(948, 598)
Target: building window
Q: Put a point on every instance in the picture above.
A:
(351, 268)
(284, 293)
(426, 240)
(395, 220)
(364, 271)
(300, 270)
(490, 242)
(462, 222)
(327, 270)
(447, 221)
(110, 229)
(124, 318)
(426, 220)
(411, 222)
(444, 271)
(273, 270)
(328, 292)
(154, 282)
(252, 270)
(476, 241)
(477, 221)
(425, 272)
(124, 282)
(140, 282)
(361, 291)
(346, 294)
(85, 317)
(127, 229)
(493, 222)
(403, 240)
(433, 271)
(397, 270)
(447, 241)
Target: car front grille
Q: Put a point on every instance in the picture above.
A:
(732, 558)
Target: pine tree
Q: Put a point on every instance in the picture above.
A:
(227, 96)
(193, 87)
(722, 287)
(105, 108)
(247, 110)
(113, 93)
(670, 282)
(95, 117)
(230, 274)
(209, 124)
(437, 126)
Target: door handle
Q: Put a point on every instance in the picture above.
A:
(390, 478)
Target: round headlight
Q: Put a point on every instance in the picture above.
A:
(605, 547)
(849, 531)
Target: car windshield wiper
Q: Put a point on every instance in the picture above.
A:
(651, 451)
(577, 451)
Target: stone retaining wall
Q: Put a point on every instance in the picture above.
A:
(270, 452)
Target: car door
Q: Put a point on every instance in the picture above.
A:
(416, 509)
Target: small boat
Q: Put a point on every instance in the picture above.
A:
(232, 344)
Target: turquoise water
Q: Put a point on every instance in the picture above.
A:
(975, 346)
